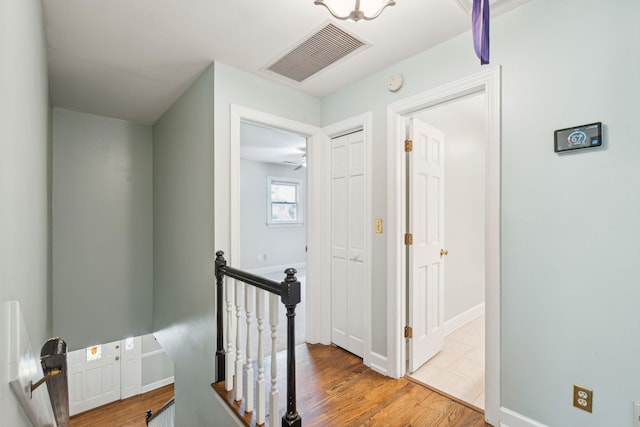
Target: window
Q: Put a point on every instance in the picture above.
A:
(284, 201)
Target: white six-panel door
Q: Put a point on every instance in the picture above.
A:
(348, 254)
(426, 224)
(93, 381)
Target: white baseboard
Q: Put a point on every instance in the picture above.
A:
(509, 418)
(277, 268)
(463, 318)
(157, 384)
(377, 362)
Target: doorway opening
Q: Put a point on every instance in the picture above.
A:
(273, 208)
(487, 82)
(311, 205)
(454, 364)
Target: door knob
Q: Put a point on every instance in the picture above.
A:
(444, 252)
(117, 358)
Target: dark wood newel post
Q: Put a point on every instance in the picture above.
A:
(290, 296)
(220, 356)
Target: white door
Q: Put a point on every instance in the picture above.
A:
(131, 367)
(348, 255)
(94, 377)
(426, 224)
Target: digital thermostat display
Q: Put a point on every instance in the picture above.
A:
(577, 137)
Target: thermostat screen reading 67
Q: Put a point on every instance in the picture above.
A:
(577, 137)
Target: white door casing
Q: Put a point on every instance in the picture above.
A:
(93, 383)
(348, 248)
(487, 81)
(426, 225)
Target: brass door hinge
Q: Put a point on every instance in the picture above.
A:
(408, 239)
(408, 332)
(408, 146)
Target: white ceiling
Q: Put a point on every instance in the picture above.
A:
(265, 144)
(131, 59)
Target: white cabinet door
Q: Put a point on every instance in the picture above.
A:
(426, 224)
(94, 377)
(348, 247)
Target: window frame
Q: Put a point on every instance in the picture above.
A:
(297, 183)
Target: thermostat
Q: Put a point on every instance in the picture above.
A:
(574, 138)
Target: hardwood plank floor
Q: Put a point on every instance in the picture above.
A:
(129, 412)
(334, 388)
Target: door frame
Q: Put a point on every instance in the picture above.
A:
(363, 121)
(316, 275)
(487, 81)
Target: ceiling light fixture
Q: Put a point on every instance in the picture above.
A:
(370, 9)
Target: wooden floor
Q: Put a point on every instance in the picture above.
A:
(130, 412)
(334, 388)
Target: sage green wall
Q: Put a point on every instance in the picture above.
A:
(156, 367)
(570, 223)
(184, 283)
(102, 228)
(184, 244)
(25, 134)
(235, 87)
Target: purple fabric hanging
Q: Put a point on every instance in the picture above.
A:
(480, 29)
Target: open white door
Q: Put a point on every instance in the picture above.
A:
(425, 252)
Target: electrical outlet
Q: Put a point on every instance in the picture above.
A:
(582, 398)
(636, 414)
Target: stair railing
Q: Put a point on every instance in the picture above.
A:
(163, 417)
(229, 358)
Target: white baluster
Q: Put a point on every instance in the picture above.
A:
(274, 413)
(249, 299)
(238, 370)
(260, 394)
(230, 350)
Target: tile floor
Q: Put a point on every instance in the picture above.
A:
(458, 370)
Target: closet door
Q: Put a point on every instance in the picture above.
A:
(348, 255)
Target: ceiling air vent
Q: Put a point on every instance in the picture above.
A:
(322, 49)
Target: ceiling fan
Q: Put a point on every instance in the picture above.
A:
(302, 163)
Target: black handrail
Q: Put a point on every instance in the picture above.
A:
(53, 358)
(151, 415)
(289, 292)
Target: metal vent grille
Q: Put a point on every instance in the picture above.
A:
(322, 49)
